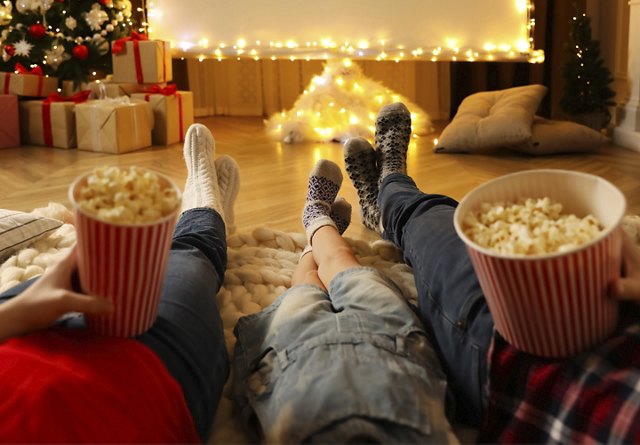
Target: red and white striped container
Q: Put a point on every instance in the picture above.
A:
(125, 263)
(553, 305)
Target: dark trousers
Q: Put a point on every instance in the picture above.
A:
(450, 301)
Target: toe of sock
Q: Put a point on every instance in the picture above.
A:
(394, 108)
(329, 170)
(355, 146)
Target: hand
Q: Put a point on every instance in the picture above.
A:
(628, 286)
(47, 299)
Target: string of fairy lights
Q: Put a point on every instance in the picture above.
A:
(327, 48)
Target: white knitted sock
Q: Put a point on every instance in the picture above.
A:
(201, 188)
(229, 181)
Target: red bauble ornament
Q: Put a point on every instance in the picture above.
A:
(37, 31)
(10, 49)
(80, 52)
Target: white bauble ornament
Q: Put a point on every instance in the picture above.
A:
(109, 27)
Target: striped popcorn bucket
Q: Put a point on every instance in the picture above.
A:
(125, 263)
(553, 305)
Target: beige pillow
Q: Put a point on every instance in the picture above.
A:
(492, 119)
(18, 230)
(551, 137)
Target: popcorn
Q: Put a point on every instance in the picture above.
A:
(126, 196)
(529, 227)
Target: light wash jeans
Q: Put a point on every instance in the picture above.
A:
(450, 301)
(353, 365)
(188, 335)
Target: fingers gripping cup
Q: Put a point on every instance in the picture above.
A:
(125, 219)
(545, 268)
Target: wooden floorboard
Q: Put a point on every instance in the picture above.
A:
(274, 175)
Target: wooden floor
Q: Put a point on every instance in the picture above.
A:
(274, 175)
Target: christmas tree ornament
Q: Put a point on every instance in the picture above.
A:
(5, 56)
(5, 12)
(56, 55)
(100, 44)
(23, 48)
(37, 31)
(96, 17)
(9, 48)
(70, 23)
(80, 52)
(38, 6)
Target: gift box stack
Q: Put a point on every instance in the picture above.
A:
(133, 109)
(21, 83)
(137, 106)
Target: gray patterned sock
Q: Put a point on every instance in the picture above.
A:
(393, 132)
(360, 163)
(341, 214)
(324, 182)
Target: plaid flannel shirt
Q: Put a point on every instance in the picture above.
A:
(591, 398)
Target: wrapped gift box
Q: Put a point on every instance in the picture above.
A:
(142, 61)
(172, 111)
(31, 85)
(50, 122)
(113, 125)
(9, 124)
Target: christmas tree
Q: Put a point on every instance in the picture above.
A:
(587, 80)
(70, 39)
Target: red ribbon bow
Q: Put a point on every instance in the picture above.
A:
(77, 98)
(20, 69)
(169, 90)
(119, 45)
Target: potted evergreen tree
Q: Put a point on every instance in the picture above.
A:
(587, 95)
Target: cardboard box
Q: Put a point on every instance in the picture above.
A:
(30, 85)
(113, 125)
(51, 124)
(9, 124)
(173, 114)
(149, 63)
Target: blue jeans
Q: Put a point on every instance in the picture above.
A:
(188, 335)
(353, 365)
(450, 301)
